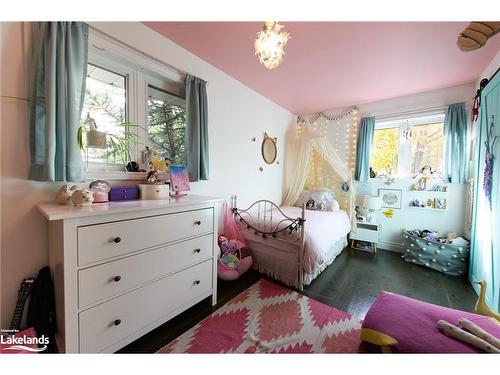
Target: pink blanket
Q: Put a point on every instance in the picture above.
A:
(324, 230)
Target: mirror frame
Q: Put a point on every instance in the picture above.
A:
(273, 141)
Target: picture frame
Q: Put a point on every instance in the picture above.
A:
(440, 203)
(363, 246)
(179, 180)
(390, 198)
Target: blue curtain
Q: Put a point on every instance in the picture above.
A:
(196, 128)
(455, 134)
(485, 231)
(364, 145)
(59, 71)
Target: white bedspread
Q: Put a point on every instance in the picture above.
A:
(324, 230)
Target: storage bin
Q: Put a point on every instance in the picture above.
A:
(123, 193)
(449, 259)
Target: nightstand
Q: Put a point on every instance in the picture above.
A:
(366, 232)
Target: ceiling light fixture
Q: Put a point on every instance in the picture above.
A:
(270, 43)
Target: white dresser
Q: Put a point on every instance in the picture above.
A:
(121, 269)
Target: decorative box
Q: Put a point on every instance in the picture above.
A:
(154, 191)
(123, 193)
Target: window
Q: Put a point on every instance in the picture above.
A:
(385, 149)
(135, 102)
(427, 147)
(105, 104)
(406, 145)
(166, 125)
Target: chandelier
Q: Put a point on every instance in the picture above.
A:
(270, 43)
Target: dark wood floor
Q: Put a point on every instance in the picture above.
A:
(350, 284)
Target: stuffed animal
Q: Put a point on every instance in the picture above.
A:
(63, 196)
(231, 264)
(82, 197)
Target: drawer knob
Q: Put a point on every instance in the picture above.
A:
(197, 222)
(117, 239)
(197, 251)
(197, 282)
(117, 278)
(117, 322)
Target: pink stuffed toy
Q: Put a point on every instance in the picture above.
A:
(231, 263)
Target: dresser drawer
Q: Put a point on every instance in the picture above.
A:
(112, 321)
(109, 279)
(103, 241)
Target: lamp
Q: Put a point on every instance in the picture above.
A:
(270, 43)
(368, 204)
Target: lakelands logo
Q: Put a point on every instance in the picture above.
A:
(9, 342)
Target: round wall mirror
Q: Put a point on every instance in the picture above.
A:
(269, 150)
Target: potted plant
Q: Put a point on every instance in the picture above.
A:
(118, 145)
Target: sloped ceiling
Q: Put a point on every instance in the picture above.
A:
(337, 64)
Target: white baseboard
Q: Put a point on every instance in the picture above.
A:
(391, 246)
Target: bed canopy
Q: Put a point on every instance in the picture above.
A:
(314, 163)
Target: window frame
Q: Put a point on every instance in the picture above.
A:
(140, 71)
(405, 145)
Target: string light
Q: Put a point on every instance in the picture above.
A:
(322, 115)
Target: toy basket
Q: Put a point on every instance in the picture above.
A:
(449, 259)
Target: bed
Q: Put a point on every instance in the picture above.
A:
(291, 244)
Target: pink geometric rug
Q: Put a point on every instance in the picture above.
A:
(268, 318)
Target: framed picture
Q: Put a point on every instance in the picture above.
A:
(179, 179)
(363, 246)
(390, 198)
(440, 203)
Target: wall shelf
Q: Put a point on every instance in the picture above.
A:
(428, 191)
(429, 208)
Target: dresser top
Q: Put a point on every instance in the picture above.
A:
(54, 211)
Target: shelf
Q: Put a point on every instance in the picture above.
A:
(428, 191)
(429, 208)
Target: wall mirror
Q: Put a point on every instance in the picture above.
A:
(269, 149)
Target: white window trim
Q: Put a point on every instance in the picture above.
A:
(404, 146)
(140, 71)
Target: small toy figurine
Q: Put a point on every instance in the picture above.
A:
(82, 197)
(310, 204)
(390, 178)
(158, 164)
(423, 175)
(321, 206)
(153, 177)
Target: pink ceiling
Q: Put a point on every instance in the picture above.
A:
(337, 64)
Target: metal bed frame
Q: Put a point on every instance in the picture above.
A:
(259, 219)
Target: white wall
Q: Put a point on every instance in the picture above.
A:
(449, 221)
(236, 114)
(490, 69)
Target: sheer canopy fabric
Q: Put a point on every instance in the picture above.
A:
(313, 163)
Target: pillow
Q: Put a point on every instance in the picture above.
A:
(321, 199)
(326, 196)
